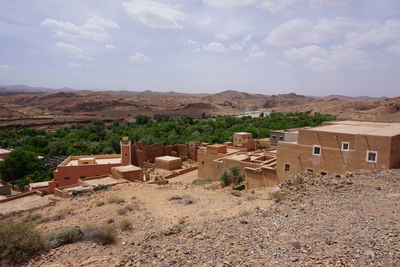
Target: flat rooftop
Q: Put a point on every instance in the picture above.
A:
(360, 127)
(127, 168)
(99, 161)
(168, 158)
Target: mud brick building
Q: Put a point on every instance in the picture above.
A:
(340, 146)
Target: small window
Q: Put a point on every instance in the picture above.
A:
(280, 137)
(372, 156)
(317, 150)
(345, 146)
(287, 167)
(83, 177)
(85, 163)
(310, 171)
(202, 162)
(274, 136)
(67, 178)
(324, 173)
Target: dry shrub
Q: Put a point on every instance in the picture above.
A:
(202, 181)
(59, 215)
(125, 224)
(115, 199)
(19, 241)
(102, 234)
(277, 195)
(66, 235)
(244, 213)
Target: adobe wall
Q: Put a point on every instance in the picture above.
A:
(141, 153)
(168, 164)
(261, 177)
(332, 160)
(134, 175)
(76, 172)
(395, 152)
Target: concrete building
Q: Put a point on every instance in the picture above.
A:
(340, 146)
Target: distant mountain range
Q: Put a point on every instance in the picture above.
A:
(19, 101)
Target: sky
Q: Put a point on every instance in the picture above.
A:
(310, 47)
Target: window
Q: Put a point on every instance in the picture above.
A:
(85, 163)
(287, 167)
(274, 136)
(66, 178)
(345, 146)
(202, 162)
(372, 156)
(324, 173)
(310, 171)
(83, 177)
(280, 137)
(316, 150)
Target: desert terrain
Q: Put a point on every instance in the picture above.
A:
(22, 106)
(311, 221)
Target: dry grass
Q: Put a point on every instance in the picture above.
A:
(19, 241)
(277, 195)
(66, 235)
(244, 213)
(115, 200)
(100, 234)
(125, 225)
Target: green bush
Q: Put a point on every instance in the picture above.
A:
(102, 235)
(278, 196)
(231, 176)
(19, 241)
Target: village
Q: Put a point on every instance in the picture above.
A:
(335, 148)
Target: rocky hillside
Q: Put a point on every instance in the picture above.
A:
(25, 102)
(320, 221)
(312, 221)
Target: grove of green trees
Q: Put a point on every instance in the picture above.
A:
(99, 138)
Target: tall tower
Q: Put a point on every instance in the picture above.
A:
(126, 151)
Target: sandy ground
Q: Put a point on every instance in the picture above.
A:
(24, 204)
(154, 211)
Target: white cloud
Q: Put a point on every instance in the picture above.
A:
(274, 5)
(139, 57)
(301, 31)
(94, 29)
(228, 3)
(7, 68)
(305, 52)
(256, 53)
(340, 57)
(336, 58)
(329, 2)
(387, 32)
(215, 47)
(109, 46)
(236, 47)
(154, 14)
(69, 48)
(72, 49)
(74, 65)
(395, 49)
(191, 42)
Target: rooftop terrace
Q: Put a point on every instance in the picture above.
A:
(360, 127)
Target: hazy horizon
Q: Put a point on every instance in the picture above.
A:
(309, 47)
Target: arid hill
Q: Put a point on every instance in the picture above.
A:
(24, 104)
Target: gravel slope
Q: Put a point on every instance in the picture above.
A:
(321, 221)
